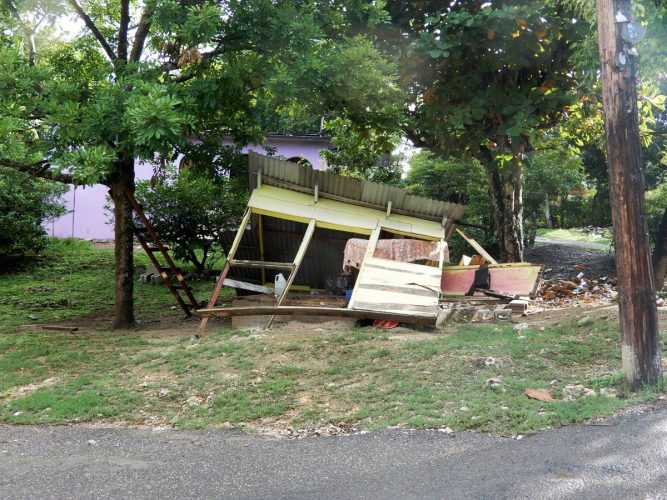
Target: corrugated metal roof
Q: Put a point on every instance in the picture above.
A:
(353, 190)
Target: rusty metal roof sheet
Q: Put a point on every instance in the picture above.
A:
(355, 191)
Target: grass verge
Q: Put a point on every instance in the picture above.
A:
(575, 234)
(294, 376)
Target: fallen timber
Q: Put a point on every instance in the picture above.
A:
(223, 312)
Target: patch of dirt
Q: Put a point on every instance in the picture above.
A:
(25, 390)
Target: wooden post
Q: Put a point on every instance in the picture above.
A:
(300, 254)
(477, 247)
(370, 251)
(640, 348)
(225, 270)
(260, 230)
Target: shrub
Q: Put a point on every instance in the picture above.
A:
(25, 204)
(190, 212)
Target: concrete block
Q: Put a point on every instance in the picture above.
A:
(482, 315)
(502, 314)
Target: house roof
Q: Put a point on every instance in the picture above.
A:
(284, 174)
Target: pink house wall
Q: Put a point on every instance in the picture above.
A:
(91, 221)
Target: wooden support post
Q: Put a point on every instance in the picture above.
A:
(260, 230)
(477, 247)
(225, 270)
(370, 251)
(259, 178)
(640, 347)
(450, 227)
(441, 259)
(316, 193)
(297, 262)
(388, 209)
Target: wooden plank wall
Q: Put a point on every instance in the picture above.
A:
(393, 286)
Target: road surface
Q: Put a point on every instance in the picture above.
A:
(621, 457)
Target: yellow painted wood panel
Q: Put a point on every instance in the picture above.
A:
(285, 204)
(386, 285)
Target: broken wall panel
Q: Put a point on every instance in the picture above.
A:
(514, 279)
(393, 286)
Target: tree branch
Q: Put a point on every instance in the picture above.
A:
(141, 34)
(93, 28)
(40, 169)
(122, 30)
(28, 31)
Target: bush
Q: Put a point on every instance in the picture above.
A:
(656, 204)
(190, 212)
(25, 204)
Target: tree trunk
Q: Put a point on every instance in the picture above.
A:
(640, 347)
(121, 182)
(547, 212)
(506, 190)
(660, 254)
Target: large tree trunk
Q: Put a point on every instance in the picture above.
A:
(506, 190)
(121, 183)
(640, 346)
(660, 254)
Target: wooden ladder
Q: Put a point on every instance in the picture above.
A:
(187, 303)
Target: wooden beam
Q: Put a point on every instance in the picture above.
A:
(247, 286)
(297, 262)
(370, 251)
(258, 264)
(476, 246)
(260, 230)
(315, 311)
(225, 270)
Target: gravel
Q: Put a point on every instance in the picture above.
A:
(562, 259)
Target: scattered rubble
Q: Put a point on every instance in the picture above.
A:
(566, 293)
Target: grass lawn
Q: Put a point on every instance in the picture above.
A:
(576, 235)
(160, 374)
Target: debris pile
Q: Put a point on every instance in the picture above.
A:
(577, 290)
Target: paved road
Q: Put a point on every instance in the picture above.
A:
(625, 457)
(572, 243)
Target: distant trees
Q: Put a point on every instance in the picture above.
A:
(25, 204)
(484, 79)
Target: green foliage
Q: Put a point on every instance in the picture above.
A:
(484, 76)
(550, 177)
(458, 181)
(190, 212)
(25, 204)
(362, 152)
(656, 204)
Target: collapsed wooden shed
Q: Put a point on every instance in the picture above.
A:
(300, 221)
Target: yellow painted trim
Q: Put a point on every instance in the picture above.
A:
(347, 229)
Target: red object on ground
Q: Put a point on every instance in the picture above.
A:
(383, 323)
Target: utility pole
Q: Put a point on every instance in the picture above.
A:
(640, 349)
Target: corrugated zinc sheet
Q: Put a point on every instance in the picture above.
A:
(351, 188)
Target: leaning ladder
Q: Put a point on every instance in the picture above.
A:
(187, 303)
